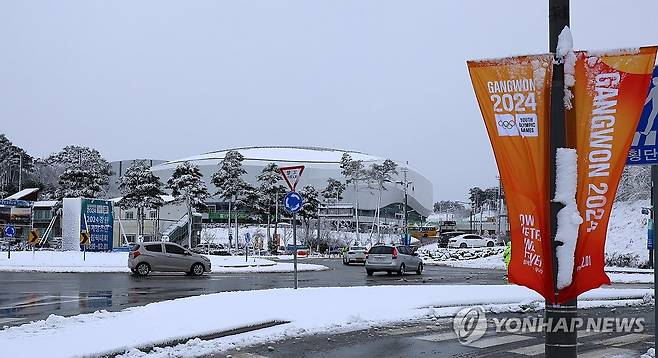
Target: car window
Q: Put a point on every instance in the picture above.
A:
(381, 250)
(403, 250)
(358, 248)
(135, 247)
(174, 249)
(153, 247)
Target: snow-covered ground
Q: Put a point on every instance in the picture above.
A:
(71, 261)
(103, 333)
(486, 257)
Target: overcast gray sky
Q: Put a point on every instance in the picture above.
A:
(167, 79)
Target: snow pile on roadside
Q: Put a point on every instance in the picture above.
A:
(489, 262)
(71, 261)
(158, 323)
(434, 255)
(630, 277)
(651, 353)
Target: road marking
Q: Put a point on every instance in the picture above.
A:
(608, 352)
(529, 350)
(438, 337)
(498, 340)
(582, 334)
(624, 340)
(247, 355)
(410, 330)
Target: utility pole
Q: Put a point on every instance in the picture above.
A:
(654, 211)
(405, 184)
(190, 222)
(559, 343)
(20, 171)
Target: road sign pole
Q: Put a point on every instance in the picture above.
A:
(294, 244)
(654, 203)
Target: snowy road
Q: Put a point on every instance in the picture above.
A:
(27, 296)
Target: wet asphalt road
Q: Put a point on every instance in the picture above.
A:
(28, 296)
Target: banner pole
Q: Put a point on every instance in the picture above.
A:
(559, 343)
(654, 204)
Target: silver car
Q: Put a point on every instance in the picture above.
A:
(166, 257)
(390, 259)
(355, 254)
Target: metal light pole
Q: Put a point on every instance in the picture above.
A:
(559, 343)
(20, 171)
(294, 244)
(405, 184)
(654, 203)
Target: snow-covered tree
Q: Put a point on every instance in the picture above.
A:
(271, 189)
(187, 186)
(354, 173)
(310, 206)
(85, 173)
(228, 180)
(334, 190)
(13, 159)
(380, 175)
(141, 190)
(635, 183)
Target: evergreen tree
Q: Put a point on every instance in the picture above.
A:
(187, 185)
(85, 172)
(141, 189)
(228, 180)
(354, 173)
(334, 190)
(13, 159)
(310, 206)
(380, 175)
(271, 189)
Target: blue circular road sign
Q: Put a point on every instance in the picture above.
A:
(292, 202)
(10, 231)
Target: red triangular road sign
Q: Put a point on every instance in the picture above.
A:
(292, 175)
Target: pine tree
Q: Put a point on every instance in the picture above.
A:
(354, 173)
(228, 180)
(380, 175)
(334, 190)
(141, 189)
(310, 206)
(13, 159)
(271, 189)
(187, 185)
(85, 172)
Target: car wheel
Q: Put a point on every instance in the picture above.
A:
(490, 244)
(402, 270)
(419, 270)
(463, 245)
(143, 269)
(369, 272)
(197, 269)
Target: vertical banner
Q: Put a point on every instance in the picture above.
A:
(644, 148)
(609, 96)
(514, 98)
(96, 217)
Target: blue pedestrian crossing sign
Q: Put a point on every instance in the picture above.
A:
(644, 148)
(292, 202)
(10, 231)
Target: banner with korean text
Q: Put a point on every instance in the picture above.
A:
(514, 98)
(609, 95)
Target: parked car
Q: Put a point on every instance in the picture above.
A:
(470, 240)
(166, 257)
(391, 259)
(211, 249)
(445, 237)
(355, 254)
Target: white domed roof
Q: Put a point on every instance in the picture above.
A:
(279, 154)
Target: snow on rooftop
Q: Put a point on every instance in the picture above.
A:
(45, 203)
(281, 154)
(23, 193)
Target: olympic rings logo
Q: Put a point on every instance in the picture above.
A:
(507, 124)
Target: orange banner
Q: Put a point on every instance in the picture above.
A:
(609, 95)
(514, 98)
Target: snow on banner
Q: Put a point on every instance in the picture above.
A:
(609, 95)
(514, 98)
